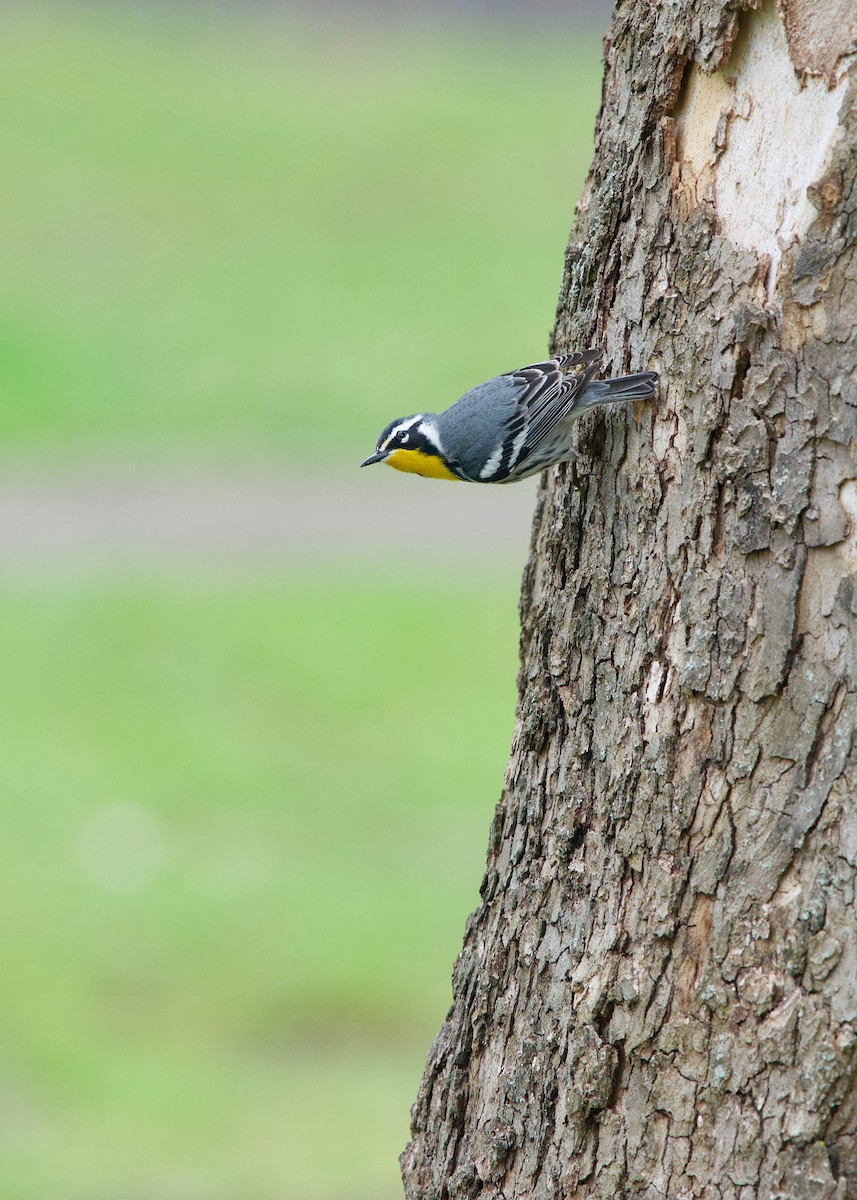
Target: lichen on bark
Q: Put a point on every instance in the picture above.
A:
(658, 994)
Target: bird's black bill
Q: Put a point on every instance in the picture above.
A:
(373, 458)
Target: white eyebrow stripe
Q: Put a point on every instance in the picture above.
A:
(409, 424)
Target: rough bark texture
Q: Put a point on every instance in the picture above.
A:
(658, 994)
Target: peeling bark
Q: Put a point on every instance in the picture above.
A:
(658, 994)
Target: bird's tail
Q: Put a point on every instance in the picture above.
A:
(642, 386)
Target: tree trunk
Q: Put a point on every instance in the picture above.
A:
(658, 994)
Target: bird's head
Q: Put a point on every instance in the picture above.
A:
(413, 444)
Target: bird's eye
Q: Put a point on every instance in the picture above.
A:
(403, 438)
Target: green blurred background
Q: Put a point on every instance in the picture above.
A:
(244, 802)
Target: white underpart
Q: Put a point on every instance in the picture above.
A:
(517, 445)
(493, 464)
(751, 139)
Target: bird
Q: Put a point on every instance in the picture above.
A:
(511, 427)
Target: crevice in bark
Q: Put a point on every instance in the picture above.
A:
(742, 366)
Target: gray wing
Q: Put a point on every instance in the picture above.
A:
(498, 424)
(546, 392)
(550, 390)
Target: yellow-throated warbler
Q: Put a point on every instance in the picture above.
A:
(509, 427)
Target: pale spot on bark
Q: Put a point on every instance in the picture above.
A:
(751, 138)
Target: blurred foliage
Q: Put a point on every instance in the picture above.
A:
(241, 823)
(241, 231)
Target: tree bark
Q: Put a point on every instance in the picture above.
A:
(658, 994)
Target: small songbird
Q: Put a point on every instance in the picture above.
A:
(509, 427)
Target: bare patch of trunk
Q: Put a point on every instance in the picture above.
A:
(658, 994)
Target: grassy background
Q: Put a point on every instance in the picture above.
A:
(243, 817)
(244, 232)
(239, 842)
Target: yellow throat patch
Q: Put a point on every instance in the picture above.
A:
(418, 463)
